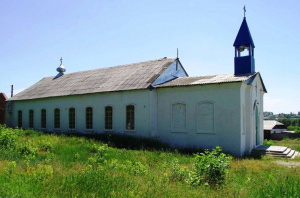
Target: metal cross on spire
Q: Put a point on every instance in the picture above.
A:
(244, 11)
(61, 61)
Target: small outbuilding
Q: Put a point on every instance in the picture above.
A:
(272, 126)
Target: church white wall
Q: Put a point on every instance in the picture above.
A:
(253, 96)
(244, 119)
(226, 130)
(98, 101)
(202, 116)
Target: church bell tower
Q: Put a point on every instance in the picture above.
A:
(244, 51)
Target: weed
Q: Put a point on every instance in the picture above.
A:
(177, 172)
(45, 146)
(77, 156)
(101, 154)
(84, 167)
(27, 148)
(10, 167)
(210, 168)
(139, 169)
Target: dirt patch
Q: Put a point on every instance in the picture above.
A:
(289, 164)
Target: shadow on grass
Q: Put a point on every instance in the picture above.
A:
(123, 141)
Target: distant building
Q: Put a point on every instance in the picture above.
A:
(273, 126)
(154, 98)
(3, 99)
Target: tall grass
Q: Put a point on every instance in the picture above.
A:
(74, 166)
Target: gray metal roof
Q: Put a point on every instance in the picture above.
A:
(202, 80)
(125, 77)
(270, 124)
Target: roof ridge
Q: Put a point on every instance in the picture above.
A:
(209, 75)
(117, 78)
(84, 71)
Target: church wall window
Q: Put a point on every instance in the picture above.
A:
(205, 117)
(130, 125)
(43, 119)
(71, 118)
(31, 119)
(20, 117)
(178, 117)
(108, 117)
(89, 118)
(56, 118)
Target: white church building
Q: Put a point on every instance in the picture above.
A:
(154, 98)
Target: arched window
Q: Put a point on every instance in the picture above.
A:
(178, 117)
(130, 117)
(205, 117)
(89, 118)
(43, 118)
(20, 122)
(108, 117)
(56, 118)
(72, 118)
(31, 119)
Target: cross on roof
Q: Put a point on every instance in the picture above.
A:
(61, 61)
(244, 11)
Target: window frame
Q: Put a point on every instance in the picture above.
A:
(106, 116)
(90, 121)
(31, 118)
(131, 119)
(20, 118)
(43, 119)
(70, 118)
(56, 118)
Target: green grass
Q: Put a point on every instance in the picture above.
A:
(291, 143)
(71, 166)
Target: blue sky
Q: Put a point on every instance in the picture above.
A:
(101, 33)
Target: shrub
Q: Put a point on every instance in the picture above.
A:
(268, 142)
(294, 128)
(8, 138)
(210, 168)
(27, 149)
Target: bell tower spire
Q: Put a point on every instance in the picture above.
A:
(244, 64)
